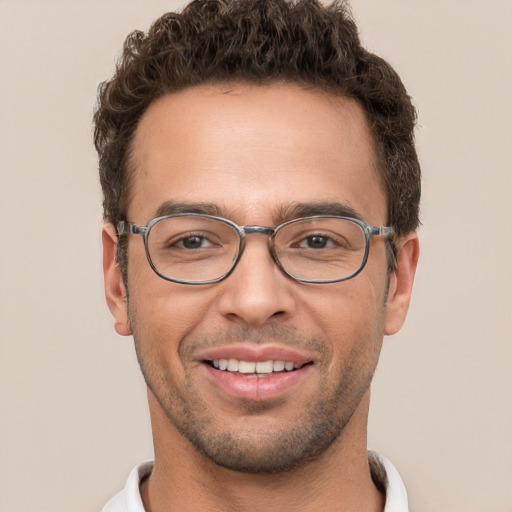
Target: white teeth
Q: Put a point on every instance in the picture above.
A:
(264, 367)
(251, 367)
(246, 367)
(232, 365)
(278, 366)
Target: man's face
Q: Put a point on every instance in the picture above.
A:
(251, 153)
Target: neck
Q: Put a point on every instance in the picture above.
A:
(185, 480)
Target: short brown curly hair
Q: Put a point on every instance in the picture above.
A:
(258, 42)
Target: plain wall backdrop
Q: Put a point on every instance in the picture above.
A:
(73, 413)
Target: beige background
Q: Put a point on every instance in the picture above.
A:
(73, 412)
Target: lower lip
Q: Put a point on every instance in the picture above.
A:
(256, 388)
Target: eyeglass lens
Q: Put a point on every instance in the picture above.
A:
(196, 249)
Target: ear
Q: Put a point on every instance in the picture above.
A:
(401, 281)
(115, 291)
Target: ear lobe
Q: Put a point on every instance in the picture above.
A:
(401, 281)
(115, 291)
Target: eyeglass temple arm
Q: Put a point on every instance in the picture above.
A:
(381, 230)
(124, 227)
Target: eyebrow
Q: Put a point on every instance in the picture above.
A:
(284, 213)
(296, 210)
(175, 208)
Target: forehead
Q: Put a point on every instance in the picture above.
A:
(253, 151)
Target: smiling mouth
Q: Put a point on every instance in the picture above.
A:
(255, 369)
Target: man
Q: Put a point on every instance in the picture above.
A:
(261, 193)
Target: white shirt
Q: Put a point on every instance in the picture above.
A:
(129, 500)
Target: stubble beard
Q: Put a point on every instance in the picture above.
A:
(263, 449)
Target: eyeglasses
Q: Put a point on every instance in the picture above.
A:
(198, 249)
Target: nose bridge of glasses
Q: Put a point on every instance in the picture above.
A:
(257, 230)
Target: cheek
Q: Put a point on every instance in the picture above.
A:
(166, 305)
(353, 304)
(350, 318)
(165, 313)
(160, 322)
(162, 313)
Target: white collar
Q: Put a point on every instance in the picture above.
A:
(129, 499)
(396, 494)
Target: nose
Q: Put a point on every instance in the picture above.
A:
(257, 291)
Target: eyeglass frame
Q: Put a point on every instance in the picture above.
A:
(125, 227)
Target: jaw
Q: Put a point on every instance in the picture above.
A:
(180, 465)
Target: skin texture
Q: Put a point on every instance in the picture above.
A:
(254, 152)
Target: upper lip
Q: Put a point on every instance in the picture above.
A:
(256, 353)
